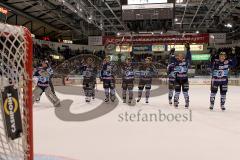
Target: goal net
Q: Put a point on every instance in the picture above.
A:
(15, 93)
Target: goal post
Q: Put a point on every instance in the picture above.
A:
(16, 122)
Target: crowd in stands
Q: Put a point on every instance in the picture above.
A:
(74, 64)
(68, 53)
(68, 64)
(45, 52)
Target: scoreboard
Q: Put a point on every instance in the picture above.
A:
(146, 1)
(142, 11)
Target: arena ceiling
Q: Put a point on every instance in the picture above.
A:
(76, 19)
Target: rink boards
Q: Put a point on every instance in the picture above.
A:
(206, 80)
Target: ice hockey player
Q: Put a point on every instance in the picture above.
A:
(220, 69)
(50, 79)
(43, 75)
(181, 66)
(89, 78)
(108, 78)
(171, 75)
(146, 73)
(127, 80)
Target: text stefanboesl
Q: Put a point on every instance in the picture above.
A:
(158, 116)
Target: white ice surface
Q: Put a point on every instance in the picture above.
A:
(210, 136)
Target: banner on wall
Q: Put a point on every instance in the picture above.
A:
(157, 39)
(158, 48)
(143, 48)
(123, 49)
(196, 47)
(201, 57)
(216, 38)
(110, 48)
(177, 47)
(95, 40)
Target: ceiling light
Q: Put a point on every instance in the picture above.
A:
(229, 25)
(179, 1)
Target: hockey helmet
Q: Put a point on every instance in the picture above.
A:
(222, 54)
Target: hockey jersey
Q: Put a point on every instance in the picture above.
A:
(89, 72)
(108, 70)
(170, 69)
(146, 72)
(181, 67)
(220, 70)
(128, 72)
(43, 76)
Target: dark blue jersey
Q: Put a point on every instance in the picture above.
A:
(89, 72)
(171, 72)
(220, 70)
(108, 70)
(181, 67)
(181, 70)
(128, 72)
(170, 68)
(146, 72)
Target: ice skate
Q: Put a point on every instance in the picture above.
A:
(223, 108)
(113, 97)
(211, 107)
(38, 100)
(88, 99)
(147, 100)
(139, 99)
(187, 105)
(106, 99)
(129, 101)
(176, 104)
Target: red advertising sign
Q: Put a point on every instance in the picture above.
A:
(159, 39)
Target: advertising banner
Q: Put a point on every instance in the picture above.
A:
(146, 48)
(11, 112)
(158, 48)
(157, 39)
(123, 49)
(196, 47)
(217, 38)
(200, 57)
(177, 47)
